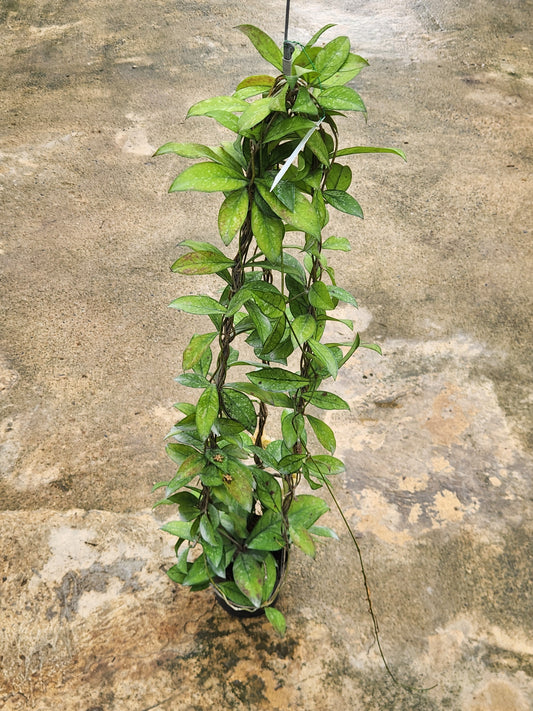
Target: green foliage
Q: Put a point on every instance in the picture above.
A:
(235, 491)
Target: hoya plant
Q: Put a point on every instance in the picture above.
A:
(255, 430)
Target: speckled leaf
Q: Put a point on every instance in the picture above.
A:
(254, 113)
(331, 58)
(264, 44)
(249, 576)
(341, 98)
(303, 217)
(201, 263)
(196, 348)
(343, 202)
(201, 305)
(354, 150)
(277, 380)
(239, 407)
(257, 80)
(326, 401)
(217, 103)
(268, 232)
(323, 433)
(276, 619)
(208, 178)
(232, 214)
(206, 411)
(350, 69)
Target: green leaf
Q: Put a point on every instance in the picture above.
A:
(325, 356)
(274, 339)
(192, 380)
(277, 399)
(201, 367)
(201, 263)
(303, 328)
(217, 103)
(369, 149)
(267, 488)
(214, 554)
(277, 380)
(304, 104)
(227, 428)
(268, 232)
(226, 119)
(318, 147)
(372, 347)
(188, 504)
(286, 192)
(207, 531)
(291, 464)
(319, 296)
(341, 98)
(350, 69)
(268, 298)
(199, 246)
(197, 345)
(238, 483)
(278, 101)
(264, 44)
(186, 407)
(266, 535)
(276, 619)
(249, 91)
(239, 407)
(208, 178)
(289, 430)
(257, 80)
(342, 295)
(305, 509)
(206, 411)
(318, 34)
(324, 531)
(200, 305)
(232, 214)
(331, 58)
(325, 465)
(178, 452)
(339, 177)
(249, 576)
(303, 217)
(187, 150)
(343, 202)
(189, 468)
(326, 401)
(231, 591)
(197, 573)
(323, 433)
(285, 127)
(182, 529)
(211, 476)
(271, 576)
(254, 114)
(301, 538)
(340, 243)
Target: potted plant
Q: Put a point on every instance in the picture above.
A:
(264, 359)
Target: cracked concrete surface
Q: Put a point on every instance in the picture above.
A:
(438, 444)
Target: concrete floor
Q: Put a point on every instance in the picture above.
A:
(439, 442)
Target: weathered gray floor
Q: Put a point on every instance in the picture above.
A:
(438, 445)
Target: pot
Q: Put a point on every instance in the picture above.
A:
(240, 611)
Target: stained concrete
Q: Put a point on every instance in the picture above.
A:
(438, 444)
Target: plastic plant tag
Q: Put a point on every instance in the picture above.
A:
(285, 167)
